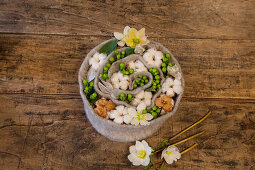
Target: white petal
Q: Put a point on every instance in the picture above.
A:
(113, 114)
(126, 30)
(170, 81)
(168, 160)
(147, 102)
(118, 35)
(132, 112)
(118, 120)
(127, 119)
(148, 116)
(177, 82)
(134, 121)
(178, 89)
(120, 109)
(121, 43)
(144, 123)
(141, 107)
(170, 92)
(147, 95)
(135, 161)
(132, 149)
(146, 161)
(139, 146)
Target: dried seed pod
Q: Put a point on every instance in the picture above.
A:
(103, 106)
(165, 102)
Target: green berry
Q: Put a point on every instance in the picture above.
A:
(131, 71)
(126, 72)
(135, 86)
(123, 52)
(144, 111)
(118, 57)
(163, 65)
(154, 114)
(122, 66)
(154, 87)
(154, 70)
(112, 59)
(108, 65)
(130, 97)
(154, 83)
(168, 55)
(86, 90)
(137, 81)
(165, 59)
(170, 64)
(145, 78)
(157, 77)
(142, 84)
(146, 81)
(158, 110)
(85, 82)
(157, 81)
(116, 52)
(106, 69)
(164, 69)
(159, 86)
(150, 70)
(142, 81)
(91, 84)
(93, 96)
(140, 76)
(154, 108)
(105, 76)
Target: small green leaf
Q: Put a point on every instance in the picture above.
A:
(129, 51)
(148, 168)
(163, 143)
(109, 47)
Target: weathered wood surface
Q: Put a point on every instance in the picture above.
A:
(43, 43)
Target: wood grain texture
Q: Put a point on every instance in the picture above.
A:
(49, 64)
(66, 140)
(43, 43)
(233, 19)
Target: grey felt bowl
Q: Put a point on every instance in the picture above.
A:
(112, 130)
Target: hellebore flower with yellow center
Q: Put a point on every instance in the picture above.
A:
(171, 154)
(140, 153)
(134, 37)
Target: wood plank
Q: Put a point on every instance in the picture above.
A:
(178, 18)
(50, 131)
(49, 64)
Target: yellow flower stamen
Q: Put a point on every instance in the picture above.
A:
(141, 154)
(169, 153)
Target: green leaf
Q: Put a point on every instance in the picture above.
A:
(109, 47)
(129, 51)
(148, 168)
(163, 143)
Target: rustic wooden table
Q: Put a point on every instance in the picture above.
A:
(43, 43)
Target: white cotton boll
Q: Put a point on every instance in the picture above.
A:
(132, 111)
(140, 94)
(147, 102)
(118, 119)
(127, 119)
(125, 111)
(170, 92)
(141, 107)
(153, 57)
(120, 109)
(178, 89)
(132, 65)
(113, 114)
(177, 82)
(147, 95)
(136, 101)
(170, 81)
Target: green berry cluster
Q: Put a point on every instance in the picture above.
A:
(124, 70)
(156, 80)
(90, 92)
(126, 98)
(104, 75)
(166, 63)
(154, 111)
(119, 55)
(140, 81)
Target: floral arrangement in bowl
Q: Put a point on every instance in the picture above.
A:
(130, 86)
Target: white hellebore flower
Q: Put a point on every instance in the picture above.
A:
(137, 65)
(170, 87)
(139, 153)
(142, 96)
(120, 81)
(141, 118)
(96, 60)
(171, 154)
(153, 57)
(118, 114)
(119, 36)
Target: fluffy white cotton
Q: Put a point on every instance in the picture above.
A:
(172, 87)
(142, 96)
(137, 65)
(120, 81)
(153, 57)
(171, 154)
(118, 114)
(96, 60)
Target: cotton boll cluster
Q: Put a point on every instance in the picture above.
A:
(118, 114)
(137, 65)
(142, 96)
(120, 81)
(96, 60)
(172, 87)
(153, 57)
